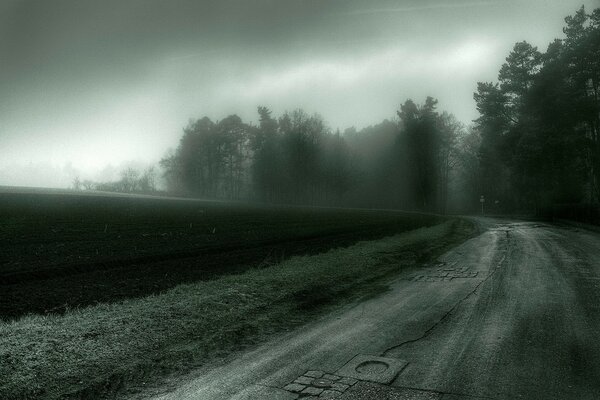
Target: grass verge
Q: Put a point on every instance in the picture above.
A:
(106, 350)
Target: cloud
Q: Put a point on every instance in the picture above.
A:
(361, 89)
(423, 7)
(397, 63)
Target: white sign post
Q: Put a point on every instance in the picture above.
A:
(482, 200)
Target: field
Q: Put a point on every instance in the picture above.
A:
(102, 295)
(59, 252)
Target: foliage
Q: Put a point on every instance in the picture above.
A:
(539, 126)
(132, 180)
(293, 159)
(296, 159)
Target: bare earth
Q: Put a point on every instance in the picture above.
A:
(513, 313)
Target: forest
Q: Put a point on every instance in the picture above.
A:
(534, 148)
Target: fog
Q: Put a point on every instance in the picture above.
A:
(93, 86)
(189, 187)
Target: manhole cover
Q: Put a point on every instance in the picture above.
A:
(371, 368)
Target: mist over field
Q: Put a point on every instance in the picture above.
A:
(96, 88)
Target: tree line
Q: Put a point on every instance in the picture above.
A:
(539, 124)
(296, 158)
(536, 143)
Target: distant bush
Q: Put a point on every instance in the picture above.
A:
(132, 181)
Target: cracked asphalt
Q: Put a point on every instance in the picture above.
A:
(512, 313)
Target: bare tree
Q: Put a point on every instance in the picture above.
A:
(147, 182)
(129, 180)
(76, 183)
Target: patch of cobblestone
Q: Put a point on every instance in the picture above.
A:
(294, 387)
(330, 394)
(318, 384)
(304, 380)
(322, 383)
(312, 391)
(339, 387)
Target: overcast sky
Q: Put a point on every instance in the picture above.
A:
(86, 86)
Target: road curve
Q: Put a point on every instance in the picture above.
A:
(512, 313)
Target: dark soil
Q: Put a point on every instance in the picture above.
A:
(61, 251)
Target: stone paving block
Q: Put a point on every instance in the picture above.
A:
(340, 387)
(321, 383)
(314, 374)
(331, 377)
(313, 391)
(294, 387)
(329, 394)
(347, 381)
(304, 380)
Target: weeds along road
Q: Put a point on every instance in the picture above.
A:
(512, 313)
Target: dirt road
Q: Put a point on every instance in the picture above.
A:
(512, 313)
